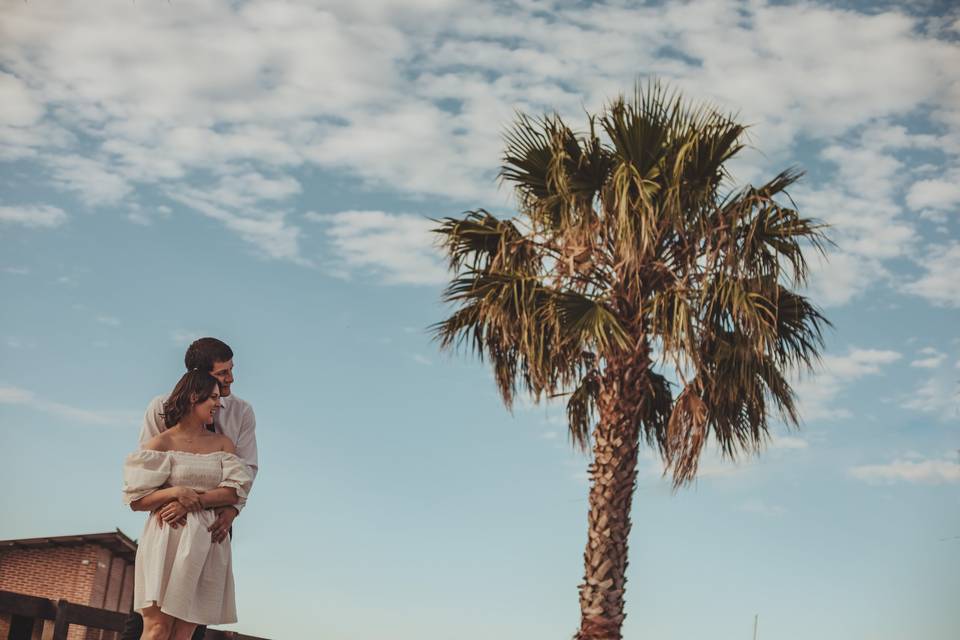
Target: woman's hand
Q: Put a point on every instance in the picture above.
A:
(173, 513)
(189, 498)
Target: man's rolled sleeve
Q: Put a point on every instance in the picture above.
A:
(246, 443)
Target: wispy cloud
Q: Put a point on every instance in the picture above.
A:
(424, 89)
(938, 395)
(33, 216)
(926, 471)
(939, 284)
(267, 229)
(18, 396)
(396, 248)
(110, 321)
(930, 359)
(820, 392)
(936, 197)
(93, 181)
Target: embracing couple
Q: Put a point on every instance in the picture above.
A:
(193, 471)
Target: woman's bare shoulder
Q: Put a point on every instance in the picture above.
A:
(226, 444)
(159, 442)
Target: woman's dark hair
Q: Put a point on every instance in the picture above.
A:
(194, 385)
(204, 352)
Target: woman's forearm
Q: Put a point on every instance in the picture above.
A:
(155, 500)
(219, 497)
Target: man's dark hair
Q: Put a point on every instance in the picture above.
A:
(204, 352)
(193, 388)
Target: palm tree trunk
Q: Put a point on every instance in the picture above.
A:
(613, 474)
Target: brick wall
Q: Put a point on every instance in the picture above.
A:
(85, 574)
(58, 572)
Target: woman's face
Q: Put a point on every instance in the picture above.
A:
(205, 409)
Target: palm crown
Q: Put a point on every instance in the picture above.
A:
(631, 248)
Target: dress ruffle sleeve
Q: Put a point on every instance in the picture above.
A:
(144, 472)
(237, 474)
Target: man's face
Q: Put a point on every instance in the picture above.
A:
(223, 372)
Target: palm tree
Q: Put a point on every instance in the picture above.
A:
(632, 255)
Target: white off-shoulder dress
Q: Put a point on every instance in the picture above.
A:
(181, 570)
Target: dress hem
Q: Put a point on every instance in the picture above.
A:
(174, 615)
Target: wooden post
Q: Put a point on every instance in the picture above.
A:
(61, 624)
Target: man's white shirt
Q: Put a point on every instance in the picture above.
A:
(234, 419)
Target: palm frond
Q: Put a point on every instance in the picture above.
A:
(556, 172)
(686, 434)
(654, 411)
(582, 409)
(484, 242)
(533, 334)
(799, 331)
(757, 235)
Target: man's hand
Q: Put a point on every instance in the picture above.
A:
(172, 513)
(189, 498)
(221, 526)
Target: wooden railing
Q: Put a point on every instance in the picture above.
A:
(64, 613)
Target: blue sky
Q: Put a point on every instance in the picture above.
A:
(263, 172)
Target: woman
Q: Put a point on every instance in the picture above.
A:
(183, 578)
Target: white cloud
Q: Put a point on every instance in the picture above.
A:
(139, 214)
(94, 182)
(840, 277)
(20, 108)
(939, 284)
(858, 363)
(17, 396)
(17, 271)
(935, 194)
(929, 471)
(225, 100)
(33, 216)
(247, 188)
(819, 393)
(860, 202)
(14, 395)
(266, 229)
(399, 248)
(938, 395)
(419, 359)
(932, 359)
(110, 321)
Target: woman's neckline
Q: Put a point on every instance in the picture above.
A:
(188, 453)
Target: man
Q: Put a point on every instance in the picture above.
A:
(234, 419)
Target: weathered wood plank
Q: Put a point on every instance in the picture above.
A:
(27, 606)
(92, 617)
